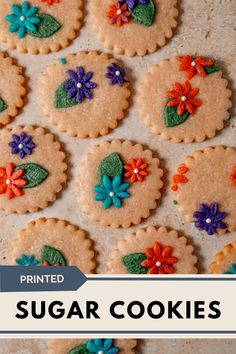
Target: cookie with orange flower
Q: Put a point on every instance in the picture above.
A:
(119, 183)
(134, 27)
(153, 251)
(28, 179)
(52, 242)
(184, 99)
(40, 26)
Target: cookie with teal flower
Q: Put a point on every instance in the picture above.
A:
(12, 89)
(28, 179)
(91, 346)
(85, 94)
(40, 26)
(224, 261)
(52, 242)
(119, 183)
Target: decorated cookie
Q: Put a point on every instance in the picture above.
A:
(12, 89)
(134, 27)
(93, 346)
(205, 189)
(52, 242)
(119, 183)
(39, 26)
(86, 95)
(153, 251)
(32, 169)
(225, 261)
(184, 99)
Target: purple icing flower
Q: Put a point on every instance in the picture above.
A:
(79, 85)
(116, 74)
(22, 145)
(133, 3)
(209, 218)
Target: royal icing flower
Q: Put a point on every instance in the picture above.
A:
(159, 260)
(79, 85)
(232, 269)
(191, 66)
(26, 261)
(179, 177)
(118, 14)
(101, 346)
(233, 176)
(111, 192)
(11, 182)
(133, 3)
(51, 2)
(183, 96)
(116, 74)
(136, 170)
(21, 144)
(47, 264)
(23, 18)
(209, 219)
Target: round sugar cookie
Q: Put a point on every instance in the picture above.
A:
(225, 261)
(32, 169)
(52, 242)
(153, 251)
(87, 346)
(12, 89)
(184, 99)
(119, 183)
(205, 189)
(40, 26)
(86, 96)
(134, 27)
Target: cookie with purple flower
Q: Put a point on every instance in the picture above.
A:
(85, 96)
(21, 144)
(205, 189)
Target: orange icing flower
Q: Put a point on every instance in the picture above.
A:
(51, 2)
(47, 264)
(233, 176)
(179, 177)
(136, 170)
(192, 66)
(11, 182)
(159, 260)
(183, 97)
(118, 14)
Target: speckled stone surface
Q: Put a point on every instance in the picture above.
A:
(206, 27)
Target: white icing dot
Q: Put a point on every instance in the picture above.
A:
(22, 18)
(8, 181)
(183, 98)
(100, 352)
(158, 264)
(79, 85)
(20, 146)
(119, 12)
(208, 220)
(111, 194)
(136, 171)
(117, 73)
(193, 63)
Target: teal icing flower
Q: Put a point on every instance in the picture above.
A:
(26, 261)
(232, 269)
(23, 18)
(101, 346)
(111, 191)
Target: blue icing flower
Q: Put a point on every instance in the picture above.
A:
(101, 346)
(26, 261)
(79, 85)
(209, 218)
(133, 3)
(23, 18)
(232, 269)
(22, 145)
(116, 74)
(111, 191)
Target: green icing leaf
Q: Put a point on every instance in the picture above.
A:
(144, 14)
(171, 118)
(35, 174)
(81, 349)
(211, 69)
(111, 166)
(46, 28)
(132, 263)
(3, 105)
(52, 256)
(61, 100)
